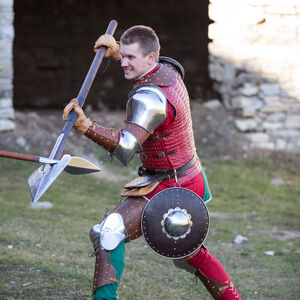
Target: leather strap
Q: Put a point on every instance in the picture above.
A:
(169, 173)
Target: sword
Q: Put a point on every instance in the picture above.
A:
(40, 180)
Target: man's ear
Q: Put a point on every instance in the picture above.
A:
(151, 58)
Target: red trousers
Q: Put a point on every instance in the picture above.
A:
(212, 269)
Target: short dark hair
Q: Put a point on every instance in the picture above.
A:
(145, 36)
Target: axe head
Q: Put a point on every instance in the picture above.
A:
(41, 179)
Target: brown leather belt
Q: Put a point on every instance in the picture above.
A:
(180, 172)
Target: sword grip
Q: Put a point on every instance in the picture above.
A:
(84, 90)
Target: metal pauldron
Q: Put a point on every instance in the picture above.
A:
(147, 107)
(109, 233)
(127, 147)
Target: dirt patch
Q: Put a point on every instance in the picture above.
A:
(280, 234)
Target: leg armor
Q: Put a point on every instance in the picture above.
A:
(108, 241)
(211, 273)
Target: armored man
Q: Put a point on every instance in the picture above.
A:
(166, 202)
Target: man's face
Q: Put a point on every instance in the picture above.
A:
(133, 61)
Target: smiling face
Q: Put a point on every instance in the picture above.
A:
(134, 62)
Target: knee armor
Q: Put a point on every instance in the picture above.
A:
(109, 233)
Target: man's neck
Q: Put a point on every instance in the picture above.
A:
(148, 71)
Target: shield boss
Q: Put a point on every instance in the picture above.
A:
(175, 222)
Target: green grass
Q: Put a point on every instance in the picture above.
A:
(45, 253)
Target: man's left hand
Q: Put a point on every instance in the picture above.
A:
(82, 123)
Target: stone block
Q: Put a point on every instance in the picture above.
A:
(286, 133)
(276, 117)
(271, 99)
(248, 89)
(6, 73)
(292, 121)
(271, 126)
(5, 103)
(7, 3)
(293, 144)
(292, 21)
(238, 14)
(6, 84)
(6, 125)
(214, 104)
(266, 146)
(7, 31)
(276, 53)
(269, 89)
(245, 125)
(7, 113)
(246, 103)
(274, 108)
(280, 144)
(281, 9)
(258, 137)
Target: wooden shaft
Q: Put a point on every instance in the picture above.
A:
(19, 156)
(84, 91)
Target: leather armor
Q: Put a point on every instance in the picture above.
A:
(172, 147)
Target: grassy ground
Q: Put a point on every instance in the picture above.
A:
(44, 253)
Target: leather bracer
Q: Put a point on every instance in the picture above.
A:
(114, 141)
(106, 138)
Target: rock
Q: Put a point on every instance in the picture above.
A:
(270, 253)
(239, 239)
(246, 124)
(269, 89)
(6, 125)
(249, 89)
(258, 137)
(7, 113)
(5, 102)
(21, 141)
(277, 181)
(271, 125)
(275, 117)
(274, 107)
(41, 205)
(280, 144)
(246, 103)
(214, 104)
(293, 121)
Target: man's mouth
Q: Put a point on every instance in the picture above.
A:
(127, 70)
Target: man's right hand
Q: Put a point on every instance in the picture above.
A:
(82, 123)
(113, 47)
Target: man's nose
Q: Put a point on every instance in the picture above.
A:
(124, 62)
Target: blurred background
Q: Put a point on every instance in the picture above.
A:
(241, 56)
(54, 40)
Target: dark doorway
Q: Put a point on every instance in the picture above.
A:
(54, 40)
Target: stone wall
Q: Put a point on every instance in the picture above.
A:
(255, 64)
(6, 65)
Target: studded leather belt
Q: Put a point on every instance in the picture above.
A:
(180, 172)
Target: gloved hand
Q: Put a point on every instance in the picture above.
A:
(82, 123)
(113, 47)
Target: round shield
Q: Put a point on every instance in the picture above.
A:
(175, 222)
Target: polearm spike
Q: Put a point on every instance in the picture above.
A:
(42, 178)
